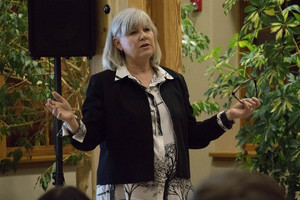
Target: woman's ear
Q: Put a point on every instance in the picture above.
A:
(117, 43)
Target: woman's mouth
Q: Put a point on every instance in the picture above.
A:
(145, 45)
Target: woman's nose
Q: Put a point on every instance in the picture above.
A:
(143, 35)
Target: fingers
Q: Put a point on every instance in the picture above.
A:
(251, 103)
(58, 97)
(256, 101)
(244, 109)
(50, 105)
(248, 103)
(55, 112)
(54, 109)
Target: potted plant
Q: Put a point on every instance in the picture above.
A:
(274, 63)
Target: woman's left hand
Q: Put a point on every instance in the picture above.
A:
(243, 110)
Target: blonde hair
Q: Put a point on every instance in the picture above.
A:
(122, 23)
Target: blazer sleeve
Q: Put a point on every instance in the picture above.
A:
(93, 116)
(200, 133)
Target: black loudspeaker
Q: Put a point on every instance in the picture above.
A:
(61, 28)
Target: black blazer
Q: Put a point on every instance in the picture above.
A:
(117, 116)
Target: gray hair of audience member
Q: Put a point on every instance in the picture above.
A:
(64, 193)
(122, 23)
(239, 185)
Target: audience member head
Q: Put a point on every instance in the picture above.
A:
(64, 193)
(239, 185)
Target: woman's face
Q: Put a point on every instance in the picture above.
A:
(138, 44)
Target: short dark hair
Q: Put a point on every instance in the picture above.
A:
(64, 193)
(239, 185)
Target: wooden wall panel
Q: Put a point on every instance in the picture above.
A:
(144, 5)
(3, 150)
(167, 18)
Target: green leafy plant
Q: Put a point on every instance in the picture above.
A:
(25, 85)
(274, 128)
(19, 112)
(46, 177)
(195, 46)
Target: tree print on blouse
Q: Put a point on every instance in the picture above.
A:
(165, 178)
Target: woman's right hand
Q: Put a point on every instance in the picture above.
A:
(62, 110)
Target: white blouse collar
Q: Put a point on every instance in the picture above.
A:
(160, 75)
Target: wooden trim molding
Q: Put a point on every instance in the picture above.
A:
(40, 156)
(231, 156)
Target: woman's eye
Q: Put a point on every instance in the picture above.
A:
(146, 29)
(132, 32)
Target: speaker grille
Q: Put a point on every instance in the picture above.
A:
(61, 28)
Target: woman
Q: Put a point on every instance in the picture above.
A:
(139, 113)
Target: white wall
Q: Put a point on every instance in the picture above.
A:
(219, 28)
(21, 185)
